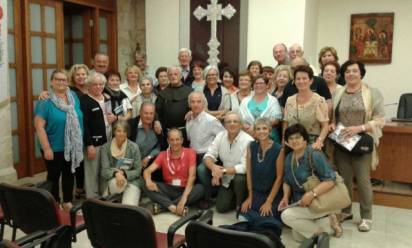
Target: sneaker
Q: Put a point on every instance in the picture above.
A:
(365, 225)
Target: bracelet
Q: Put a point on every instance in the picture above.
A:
(363, 128)
(314, 194)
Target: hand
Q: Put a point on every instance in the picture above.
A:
(44, 95)
(217, 171)
(332, 127)
(189, 116)
(48, 154)
(215, 181)
(111, 118)
(266, 209)
(307, 198)
(348, 132)
(145, 162)
(246, 205)
(283, 203)
(317, 145)
(152, 186)
(120, 178)
(180, 208)
(157, 127)
(91, 152)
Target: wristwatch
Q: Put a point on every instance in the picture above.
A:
(314, 194)
(224, 171)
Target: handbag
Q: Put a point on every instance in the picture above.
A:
(335, 199)
(363, 146)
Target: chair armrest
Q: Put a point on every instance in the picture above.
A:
(179, 223)
(206, 217)
(111, 198)
(74, 227)
(30, 237)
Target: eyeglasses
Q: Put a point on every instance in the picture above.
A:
(60, 79)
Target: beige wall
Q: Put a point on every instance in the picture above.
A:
(131, 31)
(333, 30)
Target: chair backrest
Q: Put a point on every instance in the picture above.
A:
(202, 235)
(30, 209)
(405, 106)
(111, 225)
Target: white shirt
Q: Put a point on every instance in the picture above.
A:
(202, 130)
(132, 95)
(231, 155)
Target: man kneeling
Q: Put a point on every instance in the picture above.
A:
(178, 166)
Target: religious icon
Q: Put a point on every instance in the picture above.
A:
(1, 38)
(371, 37)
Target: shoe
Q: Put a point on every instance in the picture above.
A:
(204, 204)
(309, 243)
(344, 216)
(156, 209)
(67, 206)
(323, 240)
(80, 193)
(365, 225)
(336, 226)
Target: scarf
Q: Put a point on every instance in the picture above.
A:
(116, 151)
(73, 139)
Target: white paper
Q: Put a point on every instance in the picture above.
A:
(348, 143)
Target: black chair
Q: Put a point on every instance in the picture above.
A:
(203, 235)
(405, 106)
(113, 225)
(31, 209)
(4, 215)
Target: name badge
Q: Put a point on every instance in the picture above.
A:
(96, 109)
(118, 110)
(176, 182)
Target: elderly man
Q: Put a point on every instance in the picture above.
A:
(172, 105)
(295, 50)
(100, 63)
(280, 53)
(178, 189)
(229, 179)
(202, 127)
(185, 58)
(140, 61)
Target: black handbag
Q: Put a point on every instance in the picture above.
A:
(364, 146)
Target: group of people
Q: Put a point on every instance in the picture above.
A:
(195, 134)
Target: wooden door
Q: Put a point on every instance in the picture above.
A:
(227, 34)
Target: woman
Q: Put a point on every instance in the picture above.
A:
(147, 95)
(245, 90)
(269, 73)
(198, 83)
(359, 108)
(330, 73)
(264, 173)
(162, 79)
(228, 80)
(121, 165)
(283, 75)
(255, 68)
(307, 108)
(260, 104)
(329, 54)
(59, 124)
(97, 131)
(304, 223)
(131, 88)
(121, 106)
(216, 95)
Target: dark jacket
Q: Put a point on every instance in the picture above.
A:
(94, 126)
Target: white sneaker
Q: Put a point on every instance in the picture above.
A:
(365, 225)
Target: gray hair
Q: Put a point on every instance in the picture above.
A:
(121, 124)
(263, 121)
(234, 113)
(173, 67)
(95, 75)
(144, 104)
(176, 131)
(208, 68)
(204, 100)
(185, 50)
(148, 79)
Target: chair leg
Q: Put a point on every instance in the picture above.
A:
(2, 231)
(13, 236)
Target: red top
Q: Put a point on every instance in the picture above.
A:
(176, 170)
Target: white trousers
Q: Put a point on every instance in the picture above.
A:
(131, 193)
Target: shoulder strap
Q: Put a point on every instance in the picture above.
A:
(311, 162)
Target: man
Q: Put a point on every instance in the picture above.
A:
(295, 50)
(172, 105)
(100, 63)
(178, 165)
(318, 85)
(202, 127)
(229, 179)
(185, 58)
(280, 53)
(140, 61)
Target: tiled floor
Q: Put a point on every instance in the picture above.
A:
(392, 228)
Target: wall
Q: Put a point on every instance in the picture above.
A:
(333, 29)
(131, 31)
(271, 22)
(311, 31)
(162, 32)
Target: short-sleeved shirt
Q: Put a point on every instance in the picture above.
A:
(56, 121)
(176, 169)
(351, 110)
(256, 109)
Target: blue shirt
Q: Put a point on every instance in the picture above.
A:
(320, 164)
(56, 121)
(256, 109)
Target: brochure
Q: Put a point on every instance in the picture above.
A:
(348, 143)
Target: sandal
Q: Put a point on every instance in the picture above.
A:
(156, 209)
(344, 216)
(336, 226)
(365, 225)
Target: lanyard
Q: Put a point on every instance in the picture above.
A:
(170, 165)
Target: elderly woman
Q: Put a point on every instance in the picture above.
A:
(283, 75)
(260, 104)
(121, 106)
(216, 95)
(198, 83)
(255, 68)
(97, 131)
(121, 165)
(264, 173)
(307, 108)
(147, 94)
(304, 223)
(359, 108)
(245, 90)
(59, 123)
(131, 88)
(331, 73)
(329, 54)
(229, 80)
(162, 79)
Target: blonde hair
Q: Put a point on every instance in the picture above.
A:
(283, 68)
(62, 71)
(73, 71)
(134, 68)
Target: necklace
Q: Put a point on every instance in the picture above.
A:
(262, 154)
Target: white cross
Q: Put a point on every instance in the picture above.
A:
(214, 13)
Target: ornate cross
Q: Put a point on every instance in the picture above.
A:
(214, 13)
